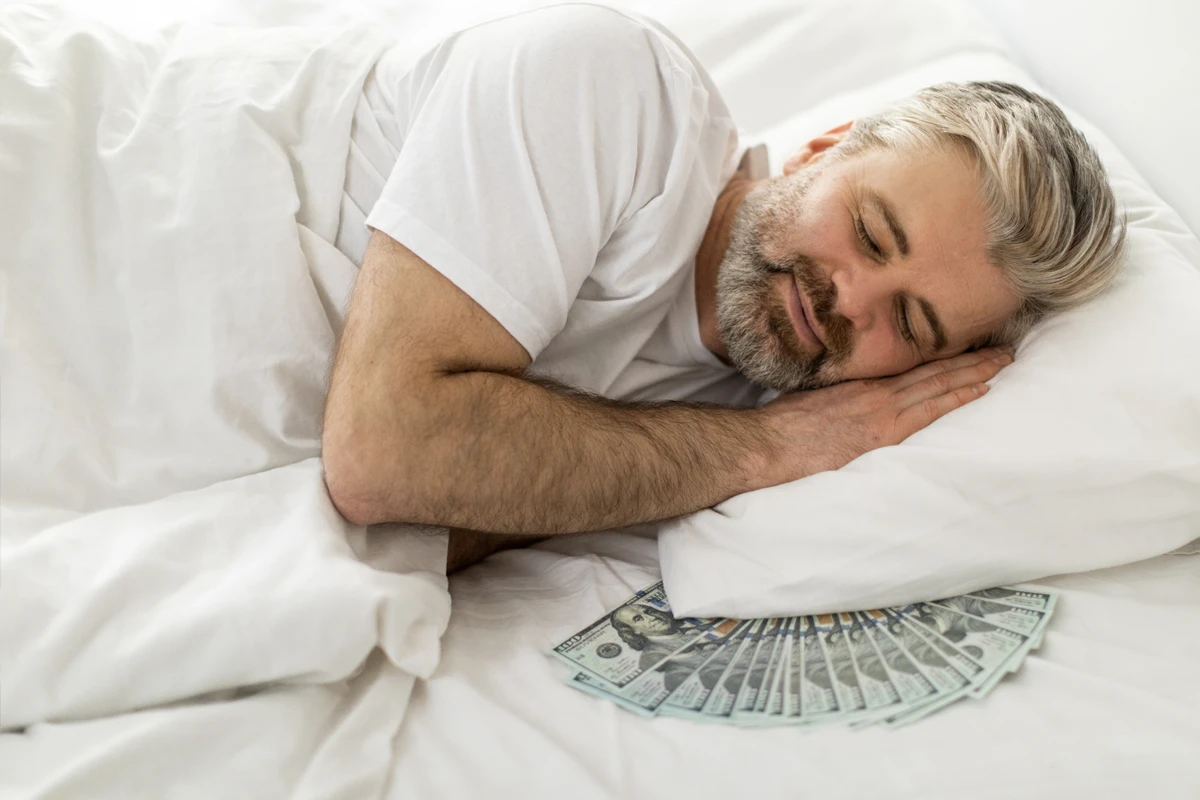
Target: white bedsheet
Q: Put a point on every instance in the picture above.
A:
(1109, 707)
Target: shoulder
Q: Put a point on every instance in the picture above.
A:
(563, 39)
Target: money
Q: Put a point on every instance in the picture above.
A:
(689, 697)
(719, 705)
(889, 666)
(638, 635)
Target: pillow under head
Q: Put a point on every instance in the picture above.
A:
(1085, 454)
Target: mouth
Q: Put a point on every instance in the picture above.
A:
(801, 317)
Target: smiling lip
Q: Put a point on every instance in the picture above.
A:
(800, 318)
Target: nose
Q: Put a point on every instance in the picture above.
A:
(862, 294)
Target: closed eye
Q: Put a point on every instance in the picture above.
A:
(903, 322)
(865, 237)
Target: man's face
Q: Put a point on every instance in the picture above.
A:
(804, 300)
(645, 620)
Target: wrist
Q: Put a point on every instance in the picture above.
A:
(759, 460)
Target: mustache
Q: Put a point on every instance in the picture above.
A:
(822, 295)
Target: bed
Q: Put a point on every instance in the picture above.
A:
(254, 644)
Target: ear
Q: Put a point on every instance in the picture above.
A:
(816, 147)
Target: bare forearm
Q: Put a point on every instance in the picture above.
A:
(508, 455)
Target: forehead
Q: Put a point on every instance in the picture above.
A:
(933, 197)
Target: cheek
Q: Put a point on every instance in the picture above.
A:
(875, 355)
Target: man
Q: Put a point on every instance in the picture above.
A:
(570, 303)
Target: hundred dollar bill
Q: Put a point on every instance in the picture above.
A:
(719, 704)
(1043, 602)
(759, 713)
(1038, 601)
(646, 693)
(640, 634)
(775, 701)
(908, 679)
(992, 648)
(768, 679)
(790, 683)
(1026, 621)
(594, 686)
(688, 698)
(951, 671)
(841, 666)
(812, 679)
(933, 664)
(878, 691)
(749, 691)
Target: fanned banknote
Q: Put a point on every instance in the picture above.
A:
(889, 666)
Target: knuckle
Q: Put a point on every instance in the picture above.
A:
(940, 382)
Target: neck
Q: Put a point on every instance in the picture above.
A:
(709, 257)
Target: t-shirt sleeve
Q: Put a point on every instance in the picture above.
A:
(529, 140)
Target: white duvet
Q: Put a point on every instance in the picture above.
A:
(170, 303)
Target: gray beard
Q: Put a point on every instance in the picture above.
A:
(744, 283)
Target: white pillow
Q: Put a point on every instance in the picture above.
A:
(1085, 454)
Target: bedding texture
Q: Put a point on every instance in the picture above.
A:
(1085, 453)
(170, 302)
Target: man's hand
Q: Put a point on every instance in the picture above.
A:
(825, 429)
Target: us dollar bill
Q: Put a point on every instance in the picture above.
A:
(767, 697)
(879, 692)
(908, 678)
(775, 701)
(951, 670)
(817, 699)
(841, 665)
(719, 705)
(991, 646)
(689, 697)
(1041, 602)
(1038, 601)
(1018, 619)
(649, 690)
(751, 687)
(635, 637)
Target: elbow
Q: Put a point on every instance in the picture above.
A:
(347, 494)
(349, 481)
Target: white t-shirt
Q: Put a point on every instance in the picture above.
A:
(560, 167)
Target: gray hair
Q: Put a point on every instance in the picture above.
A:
(1053, 228)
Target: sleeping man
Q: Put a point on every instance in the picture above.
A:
(572, 300)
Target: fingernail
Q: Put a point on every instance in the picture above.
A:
(1003, 360)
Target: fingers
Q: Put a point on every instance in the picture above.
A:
(946, 381)
(924, 371)
(922, 414)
